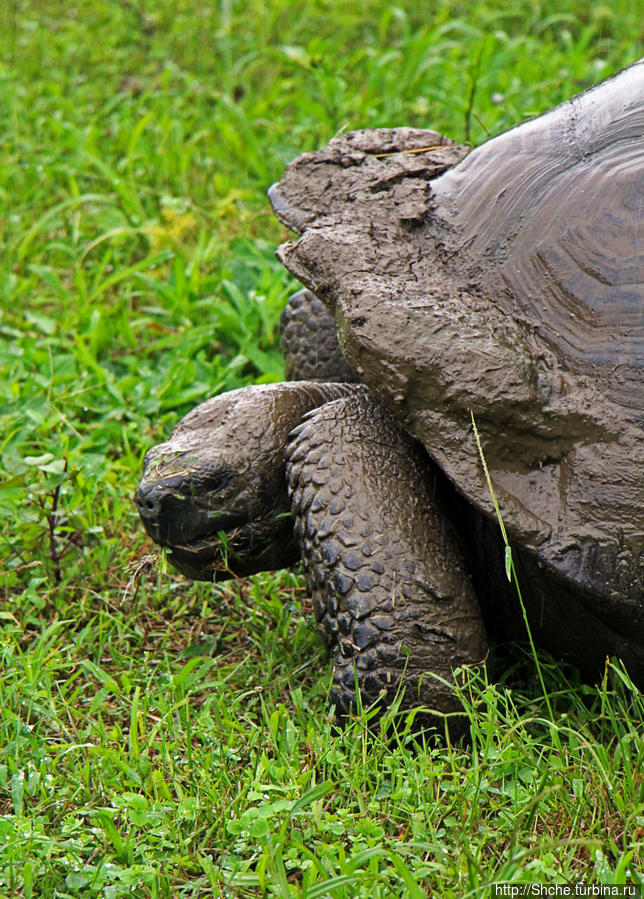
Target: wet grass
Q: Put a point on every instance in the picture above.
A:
(165, 739)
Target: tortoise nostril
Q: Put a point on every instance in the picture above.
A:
(148, 502)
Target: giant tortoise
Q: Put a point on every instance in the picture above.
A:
(503, 286)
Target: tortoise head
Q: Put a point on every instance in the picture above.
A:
(215, 493)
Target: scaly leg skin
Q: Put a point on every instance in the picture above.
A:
(310, 341)
(390, 588)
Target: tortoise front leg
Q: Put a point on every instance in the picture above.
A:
(389, 583)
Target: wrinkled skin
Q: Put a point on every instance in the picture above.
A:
(215, 492)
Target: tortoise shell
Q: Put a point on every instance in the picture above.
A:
(508, 285)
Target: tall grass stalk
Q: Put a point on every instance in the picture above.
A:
(511, 574)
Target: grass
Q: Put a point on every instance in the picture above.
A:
(166, 739)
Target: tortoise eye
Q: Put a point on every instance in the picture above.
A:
(213, 483)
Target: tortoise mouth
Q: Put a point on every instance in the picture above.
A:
(216, 557)
(237, 553)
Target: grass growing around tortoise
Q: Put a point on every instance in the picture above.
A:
(166, 739)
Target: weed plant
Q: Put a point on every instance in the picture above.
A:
(160, 738)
